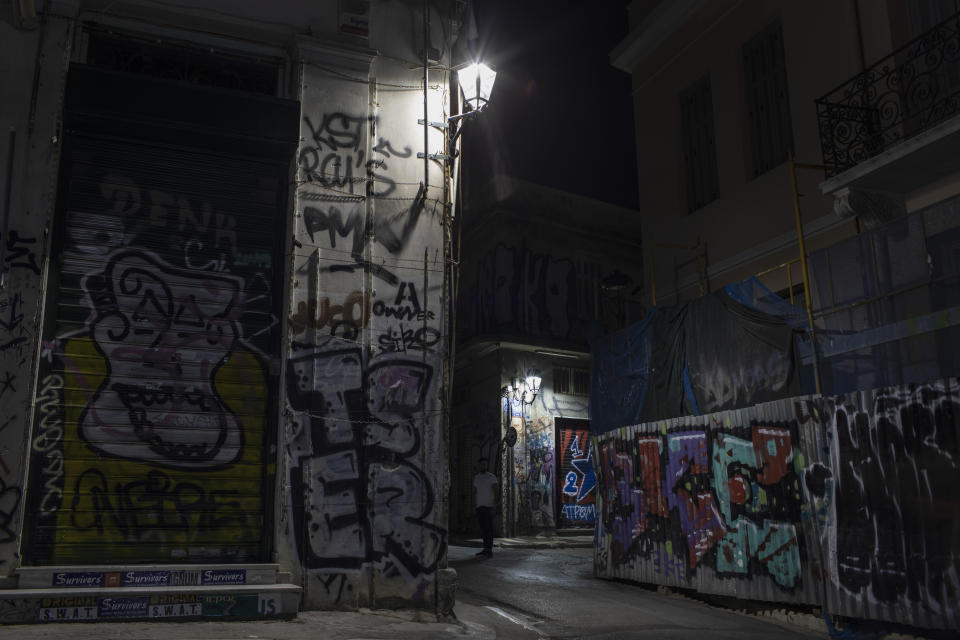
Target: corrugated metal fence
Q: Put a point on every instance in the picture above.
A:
(848, 502)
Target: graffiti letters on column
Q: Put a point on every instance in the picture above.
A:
(365, 497)
(359, 431)
(335, 151)
(20, 256)
(20, 252)
(12, 331)
(335, 166)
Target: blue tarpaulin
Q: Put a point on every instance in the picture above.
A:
(732, 348)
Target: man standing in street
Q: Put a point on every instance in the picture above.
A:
(485, 497)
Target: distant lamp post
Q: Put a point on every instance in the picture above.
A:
(522, 390)
(533, 387)
(616, 283)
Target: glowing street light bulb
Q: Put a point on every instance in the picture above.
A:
(476, 81)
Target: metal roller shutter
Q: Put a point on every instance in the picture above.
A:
(155, 408)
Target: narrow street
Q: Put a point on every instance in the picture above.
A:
(551, 593)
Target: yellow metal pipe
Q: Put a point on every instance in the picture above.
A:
(804, 270)
(777, 268)
(653, 272)
(790, 279)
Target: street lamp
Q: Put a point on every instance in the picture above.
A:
(522, 390)
(476, 82)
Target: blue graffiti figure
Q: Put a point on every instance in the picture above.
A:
(585, 467)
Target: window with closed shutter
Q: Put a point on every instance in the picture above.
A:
(699, 146)
(767, 99)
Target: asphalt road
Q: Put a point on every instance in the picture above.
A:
(551, 593)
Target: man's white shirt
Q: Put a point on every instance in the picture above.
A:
(486, 484)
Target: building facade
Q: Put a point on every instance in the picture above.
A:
(224, 271)
(541, 270)
(724, 93)
(756, 119)
(835, 505)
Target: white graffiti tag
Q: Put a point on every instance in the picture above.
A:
(164, 333)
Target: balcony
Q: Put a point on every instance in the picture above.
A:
(895, 127)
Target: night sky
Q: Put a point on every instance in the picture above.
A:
(560, 114)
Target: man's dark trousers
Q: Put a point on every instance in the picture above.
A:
(485, 518)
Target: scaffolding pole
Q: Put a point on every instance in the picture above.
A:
(803, 265)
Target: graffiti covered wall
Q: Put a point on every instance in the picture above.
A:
(843, 501)
(363, 506)
(30, 143)
(210, 355)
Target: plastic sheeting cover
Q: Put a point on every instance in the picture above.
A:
(710, 354)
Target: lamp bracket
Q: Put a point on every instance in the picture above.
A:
(435, 156)
(438, 125)
(460, 116)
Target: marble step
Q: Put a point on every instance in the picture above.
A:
(165, 575)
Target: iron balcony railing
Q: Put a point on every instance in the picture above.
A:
(912, 89)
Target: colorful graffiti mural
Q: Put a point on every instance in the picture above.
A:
(578, 482)
(541, 472)
(707, 497)
(848, 498)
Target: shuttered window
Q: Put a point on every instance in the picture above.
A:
(767, 100)
(699, 146)
(574, 382)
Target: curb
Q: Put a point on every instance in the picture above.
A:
(558, 542)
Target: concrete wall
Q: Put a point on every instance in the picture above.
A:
(845, 502)
(364, 432)
(359, 465)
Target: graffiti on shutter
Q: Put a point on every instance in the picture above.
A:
(152, 402)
